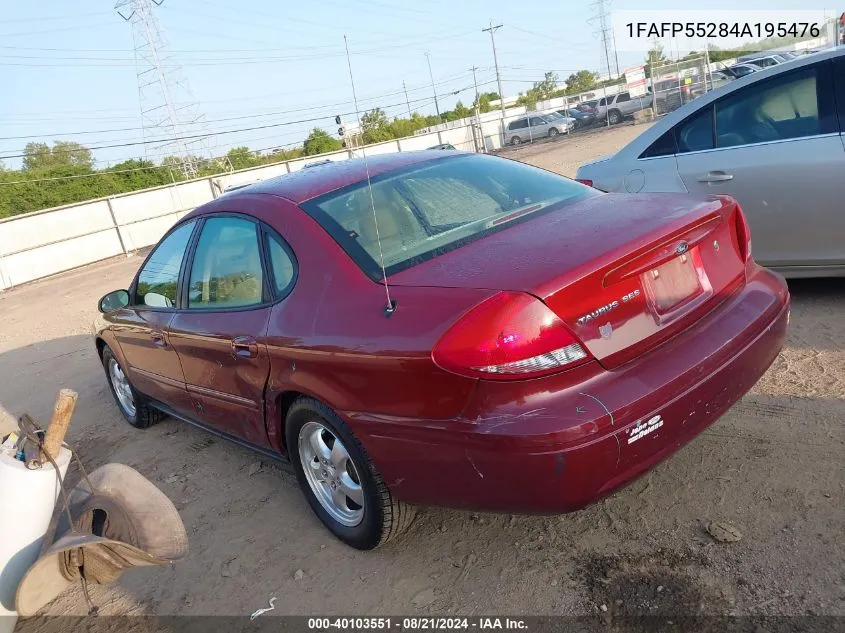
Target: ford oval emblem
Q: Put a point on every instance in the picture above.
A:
(681, 248)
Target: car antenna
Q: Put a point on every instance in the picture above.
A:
(390, 308)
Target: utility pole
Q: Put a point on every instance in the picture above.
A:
(477, 111)
(407, 101)
(491, 30)
(475, 81)
(434, 90)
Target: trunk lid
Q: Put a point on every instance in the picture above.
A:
(624, 272)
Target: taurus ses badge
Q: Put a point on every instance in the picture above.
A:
(681, 248)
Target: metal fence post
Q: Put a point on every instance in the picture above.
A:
(116, 226)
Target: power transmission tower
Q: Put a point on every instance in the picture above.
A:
(170, 116)
(430, 74)
(604, 30)
(492, 29)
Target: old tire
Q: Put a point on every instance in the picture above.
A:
(553, 132)
(341, 484)
(614, 117)
(133, 406)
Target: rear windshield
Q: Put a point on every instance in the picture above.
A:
(434, 207)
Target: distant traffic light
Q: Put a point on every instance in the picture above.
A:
(337, 119)
(341, 131)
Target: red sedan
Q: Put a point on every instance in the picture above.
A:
(464, 331)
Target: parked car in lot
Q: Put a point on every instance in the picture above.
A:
(582, 119)
(531, 127)
(566, 123)
(765, 61)
(620, 106)
(466, 331)
(773, 141)
(588, 106)
(741, 70)
(719, 78)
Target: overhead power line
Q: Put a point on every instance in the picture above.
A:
(245, 116)
(232, 131)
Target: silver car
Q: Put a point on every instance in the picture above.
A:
(529, 128)
(773, 141)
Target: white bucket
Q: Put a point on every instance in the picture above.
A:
(27, 500)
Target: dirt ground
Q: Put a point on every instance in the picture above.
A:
(773, 467)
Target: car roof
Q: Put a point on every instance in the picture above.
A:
(649, 136)
(318, 179)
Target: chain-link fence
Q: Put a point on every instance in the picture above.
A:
(677, 83)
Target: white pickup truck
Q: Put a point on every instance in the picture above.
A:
(620, 106)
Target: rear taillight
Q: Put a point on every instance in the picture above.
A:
(743, 235)
(511, 335)
(584, 181)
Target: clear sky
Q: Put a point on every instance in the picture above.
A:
(250, 63)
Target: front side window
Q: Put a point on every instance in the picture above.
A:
(226, 271)
(431, 208)
(790, 106)
(535, 121)
(158, 280)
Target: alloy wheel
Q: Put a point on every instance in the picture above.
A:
(122, 389)
(331, 474)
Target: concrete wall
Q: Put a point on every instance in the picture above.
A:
(36, 245)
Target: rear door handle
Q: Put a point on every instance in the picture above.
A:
(157, 337)
(244, 347)
(716, 176)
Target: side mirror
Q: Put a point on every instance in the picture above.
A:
(114, 300)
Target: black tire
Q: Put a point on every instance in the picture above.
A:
(553, 132)
(144, 415)
(384, 517)
(516, 140)
(614, 117)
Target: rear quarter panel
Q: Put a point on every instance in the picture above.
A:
(331, 339)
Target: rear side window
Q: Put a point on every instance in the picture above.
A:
(158, 280)
(282, 265)
(226, 272)
(518, 124)
(535, 121)
(696, 134)
(664, 146)
(431, 208)
(623, 97)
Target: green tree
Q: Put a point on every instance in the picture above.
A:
(655, 56)
(461, 111)
(582, 81)
(319, 142)
(484, 100)
(63, 153)
(242, 158)
(528, 100)
(544, 89)
(374, 119)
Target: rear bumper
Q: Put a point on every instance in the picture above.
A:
(557, 444)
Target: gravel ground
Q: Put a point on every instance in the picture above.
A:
(772, 468)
